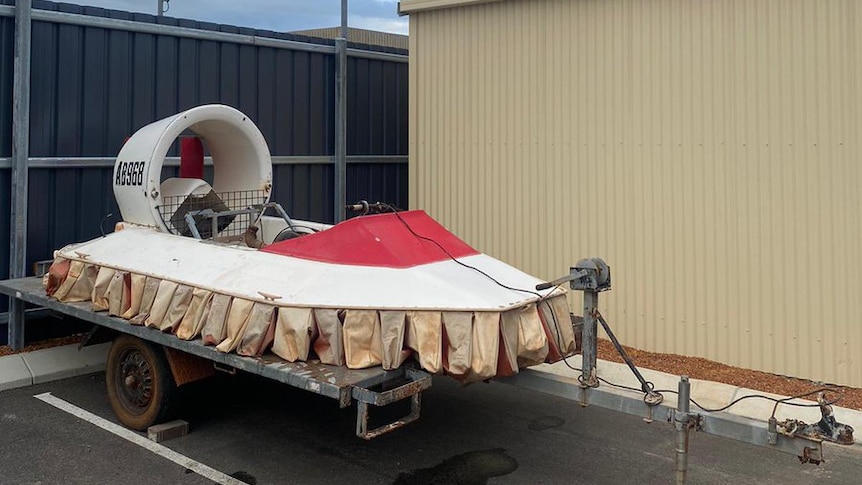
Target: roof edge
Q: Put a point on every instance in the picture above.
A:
(413, 6)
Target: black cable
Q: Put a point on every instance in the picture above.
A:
(102, 224)
(784, 400)
(652, 389)
(649, 388)
(366, 208)
(570, 366)
(557, 327)
(646, 386)
(620, 385)
(313, 230)
(777, 401)
(510, 288)
(816, 391)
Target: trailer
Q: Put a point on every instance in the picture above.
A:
(198, 279)
(207, 273)
(145, 366)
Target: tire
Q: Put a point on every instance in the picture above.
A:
(140, 385)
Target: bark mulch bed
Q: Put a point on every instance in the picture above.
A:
(45, 344)
(699, 368)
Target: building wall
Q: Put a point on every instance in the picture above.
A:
(708, 150)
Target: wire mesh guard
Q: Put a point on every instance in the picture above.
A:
(223, 214)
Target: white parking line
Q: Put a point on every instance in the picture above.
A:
(163, 451)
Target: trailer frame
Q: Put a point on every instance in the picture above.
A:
(368, 387)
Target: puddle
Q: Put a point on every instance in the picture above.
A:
(244, 477)
(471, 468)
(546, 422)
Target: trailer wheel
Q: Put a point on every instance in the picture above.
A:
(140, 385)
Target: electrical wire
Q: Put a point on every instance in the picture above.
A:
(102, 223)
(557, 324)
(647, 386)
(313, 230)
(777, 401)
(823, 389)
(424, 238)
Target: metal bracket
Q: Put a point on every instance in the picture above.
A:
(683, 420)
(782, 437)
(256, 211)
(828, 428)
(590, 381)
(586, 383)
(227, 369)
(589, 274)
(418, 382)
(790, 432)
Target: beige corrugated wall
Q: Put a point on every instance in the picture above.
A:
(708, 150)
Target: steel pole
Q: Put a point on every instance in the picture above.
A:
(340, 188)
(161, 8)
(343, 19)
(682, 429)
(20, 160)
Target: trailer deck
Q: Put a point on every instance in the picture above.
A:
(340, 383)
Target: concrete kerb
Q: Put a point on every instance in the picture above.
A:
(708, 394)
(46, 365)
(14, 372)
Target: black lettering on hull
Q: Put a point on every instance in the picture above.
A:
(130, 173)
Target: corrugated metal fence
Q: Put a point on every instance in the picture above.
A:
(96, 79)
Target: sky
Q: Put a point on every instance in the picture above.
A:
(277, 15)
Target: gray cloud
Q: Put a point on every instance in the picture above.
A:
(278, 15)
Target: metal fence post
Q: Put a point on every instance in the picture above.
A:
(20, 159)
(682, 424)
(340, 188)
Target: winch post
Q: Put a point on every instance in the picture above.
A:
(588, 339)
(591, 275)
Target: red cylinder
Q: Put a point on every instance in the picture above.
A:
(191, 158)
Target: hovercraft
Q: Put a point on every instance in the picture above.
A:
(219, 261)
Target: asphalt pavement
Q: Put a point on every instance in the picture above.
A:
(265, 433)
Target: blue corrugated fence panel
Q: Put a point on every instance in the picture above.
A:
(97, 86)
(7, 50)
